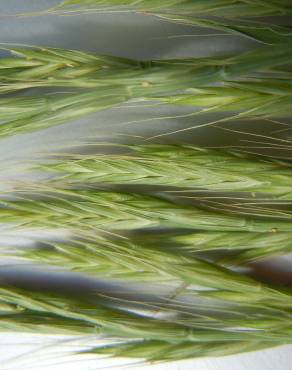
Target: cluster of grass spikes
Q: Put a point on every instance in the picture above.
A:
(249, 312)
(166, 215)
(96, 197)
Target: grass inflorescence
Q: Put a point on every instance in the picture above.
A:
(254, 84)
(177, 165)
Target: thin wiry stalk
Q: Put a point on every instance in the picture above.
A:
(97, 83)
